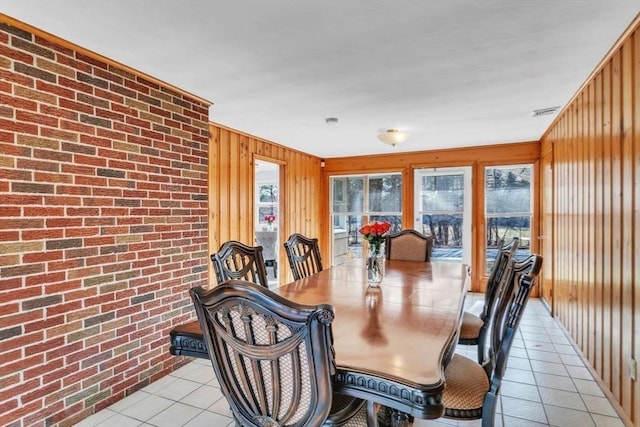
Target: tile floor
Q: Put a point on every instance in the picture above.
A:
(547, 384)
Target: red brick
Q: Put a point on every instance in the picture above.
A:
(37, 118)
(67, 307)
(18, 103)
(18, 389)
(47, 233)
(45, 278)
(44, 324)
(20, 294)
(21, 364)
(62, 201)
(55, 89)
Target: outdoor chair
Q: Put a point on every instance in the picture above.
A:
(304, 256)
(472, 389)
(409, 245)
(273, 358)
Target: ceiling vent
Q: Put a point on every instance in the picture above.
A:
(545, 111)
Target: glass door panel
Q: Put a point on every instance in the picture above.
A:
(508, 209)
(266, 215)
(443, 211)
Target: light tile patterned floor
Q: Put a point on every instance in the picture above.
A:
(547, 384)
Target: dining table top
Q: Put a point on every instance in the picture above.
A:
(394, 340)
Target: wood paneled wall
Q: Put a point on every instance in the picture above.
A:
(595, 215)
(231, 191)
(476, 157)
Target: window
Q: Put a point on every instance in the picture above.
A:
(357, 200)
(508, 209)
(267, 202)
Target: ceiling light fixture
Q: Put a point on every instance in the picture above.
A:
(393, 137)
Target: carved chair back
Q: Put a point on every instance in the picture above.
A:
(304, 255)
(273, 357)
(235, 260)
(505, 254)
(504, 300)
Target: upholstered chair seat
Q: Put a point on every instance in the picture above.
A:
(471, 325)
(467, 384)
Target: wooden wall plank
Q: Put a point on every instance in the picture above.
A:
(599, 225)
(607, 213)
(596, 159)
(547, 232)
(626, 250)
(616, 231)
(580, 226)
(590, 249)
(635, 89)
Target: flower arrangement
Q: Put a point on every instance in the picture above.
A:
(375, 233)
(270, 218)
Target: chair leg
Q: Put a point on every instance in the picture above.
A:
(372, 413)
(489, 409)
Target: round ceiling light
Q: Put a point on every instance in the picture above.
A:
(393, 137)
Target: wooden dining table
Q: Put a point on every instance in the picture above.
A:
(392, 342)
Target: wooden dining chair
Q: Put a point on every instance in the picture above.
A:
(235, 260)
(304, 256)
(273, 358)
(475, 327)
(409, 245)
(472, 389)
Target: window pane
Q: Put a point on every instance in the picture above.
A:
(347, 242)
(508, 190)
(385, 193)
(268, 193)
(443, 193)
(394, 220)
(348, 194)
(445, 229)
(508, 209)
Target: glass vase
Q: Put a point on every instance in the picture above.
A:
(374, 265)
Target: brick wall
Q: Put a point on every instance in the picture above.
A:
(103, 227)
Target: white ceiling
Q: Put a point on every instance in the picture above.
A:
(451, 72)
